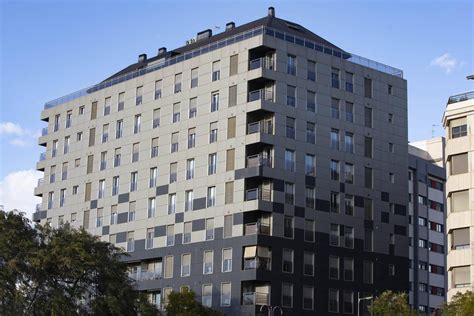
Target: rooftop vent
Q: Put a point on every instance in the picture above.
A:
(204, 34)
(230, 26)
(141, 58)
(271, 12)
(161, 50)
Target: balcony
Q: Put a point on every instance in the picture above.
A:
(42, 157)
(259, 160)
(44, 131)
(262, 62)
(264, 126)
(258, 194)
(256, 228)
(145, 275)
(461, 97)
(260, 94)
(255, 298)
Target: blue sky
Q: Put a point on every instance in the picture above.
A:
(52, 48)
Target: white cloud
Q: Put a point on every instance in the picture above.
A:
(446, 62)
(22, 136)
(17, 191)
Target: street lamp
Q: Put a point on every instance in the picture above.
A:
(271, 309)
(359, 299)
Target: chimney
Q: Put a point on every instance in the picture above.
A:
(271, 12)
(141, 58)
(204, 34)
(230, 26)
(161, 50)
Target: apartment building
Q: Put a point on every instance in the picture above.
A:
(426, 183)
(259, 166)
(457, 120)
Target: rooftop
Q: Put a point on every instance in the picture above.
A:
(206, 42)
(461, 97)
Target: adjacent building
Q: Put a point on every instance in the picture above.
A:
(426, 183)
(457, 120)
(262, 165)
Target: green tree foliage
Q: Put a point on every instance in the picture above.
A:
(462, 304)
(64, 271)
(185, 304)
(391, 304)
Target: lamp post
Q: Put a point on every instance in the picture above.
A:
(359, 299)
(271, 309)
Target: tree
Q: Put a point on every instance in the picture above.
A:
(391, 304)
(461, 304)
(63, 271)
(185, 304)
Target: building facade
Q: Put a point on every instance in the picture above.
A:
(259, 166)
(426, 183)
(457, 119)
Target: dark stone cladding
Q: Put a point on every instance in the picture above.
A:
(275, 277)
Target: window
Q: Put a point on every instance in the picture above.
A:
(139, 96)
(308, 263)
(57, 119)
(349, 173)
(158, 85)
(130, 241)
(189, 200)
(349, 142)
(348, 272)
(368, 88)
(229, 192)
(438, 185)
(349, 112)
(227, 260)
(150, 233)
(187, 232)
(308, 297)
(391, 270)
(348, 237)
(174, 142)
(216, 70)
(119, 129)
(290, 127)
(54, 148)
(334, 138)
(391, 147)
(191, 137)
(212, 164)
(194, 77)
(459, 201)
(170, 235)
(156, 118)
(228, 222)
(335, 78)
(335, 207)
(335, 108)
(289, 160)
(210, 229)
(368, 272)
(309, 230)
(349, 204)
(154, 147)
(391, 177)
(287, 295)
(137, 123)
(368, 145)
(422, 199)
(291, 65)
(208, 262)
(334, 170)
(231, 124)
(207, 295)
(133, 181)
(460, 238)
(101, 191)
(349, 82)
(169, 262)
(311, 101)
(288, 228)
(67, 142)
(291, 96)
(458, 127)
(81, 110)
(368, 117)
(334, 235)
(348, 302)
(234, 63)
(190, 169)
(390, 117)
(176, 112)
(289, 193)
(100, 216)
(213, 132)
(459, 164)
(151, 207)
(311, 70)
(172, 203)
(310, 197)
(115, 185)
(62, 197)
(368, 177)
(461, 276)
(211, 196)
(107, 103)
(79, 136)
(186, 265)
(422, 243)
(69, 118)
(192, 107)
(333, 306)
(310, 133)
(226, 294)
(310, 165)
(117, 157)
(177, 82)
(230, 159)
(75, 190)
(135, 152)
(232, 95)
(287, 260)
(390, 89)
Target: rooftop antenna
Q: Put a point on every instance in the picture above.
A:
(433, 130)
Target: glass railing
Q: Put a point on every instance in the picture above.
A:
(260, 127)
(42, 156)
(257, 228)
(145, 275)
(263, 62)
(255, 298)
(261, 94)
(258, 160)
(159, 64)
(44, 131)
(40, 181)
(38, 208)
(261, 194)
(461, 97)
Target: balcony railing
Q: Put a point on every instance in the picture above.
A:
(257, 228)
(261, 94)
(145, 275)
(259, 160)
(255, 298)
(38, 207)
(42, 156)
(44, 131)
(461, 97)
(260, 127)
(263, 62)
(40, 181)
(257, 193)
